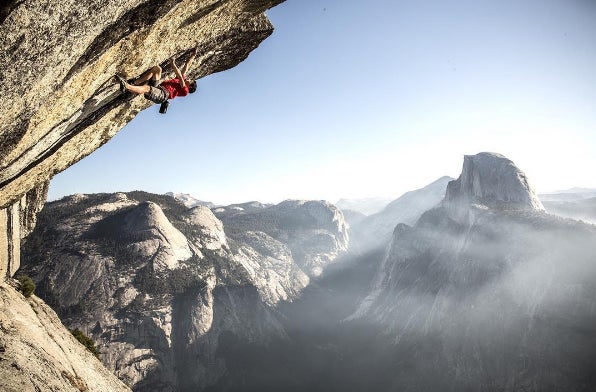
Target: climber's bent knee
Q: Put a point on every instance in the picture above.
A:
(156, 72)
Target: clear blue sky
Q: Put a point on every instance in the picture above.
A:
(372, 98)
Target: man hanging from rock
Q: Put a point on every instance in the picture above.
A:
(148, 83)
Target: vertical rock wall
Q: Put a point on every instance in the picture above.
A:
(16, 221)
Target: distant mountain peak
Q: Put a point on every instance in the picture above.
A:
(366, 206)
(492, 180)
(189, 200)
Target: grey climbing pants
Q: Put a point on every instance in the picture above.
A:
(157, 94)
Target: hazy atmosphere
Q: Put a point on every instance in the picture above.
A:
(360, 196)
(352, 99)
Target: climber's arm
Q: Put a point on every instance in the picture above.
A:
(177, 72)
(193, 53)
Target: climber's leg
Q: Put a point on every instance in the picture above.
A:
(125, 86)
(152, 75)
(144, 89)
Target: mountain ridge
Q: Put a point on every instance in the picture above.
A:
(155, 283)
(483, 273)
(375, 230)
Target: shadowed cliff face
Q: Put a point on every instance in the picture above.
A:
(59, 102)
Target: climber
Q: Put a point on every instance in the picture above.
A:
(148, 83)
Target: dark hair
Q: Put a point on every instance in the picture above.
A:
(192, 87)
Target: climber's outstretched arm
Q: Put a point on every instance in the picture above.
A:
(193, 53)
(177, 72)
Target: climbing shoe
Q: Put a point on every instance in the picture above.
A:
(122, 82)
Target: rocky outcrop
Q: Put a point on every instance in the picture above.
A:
(16, 222)
(59, 101)
(492, 180)
(38, 354)
(162, 287)
(209, 230)
(314, 231)
(155, 238)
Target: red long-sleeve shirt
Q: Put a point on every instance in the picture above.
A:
(174, 88)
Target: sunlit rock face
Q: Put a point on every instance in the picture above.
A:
(155, 237)
(38, 354)
(503, 299)
(59, 100)
(315, 231)
(64, 54)
(162, 287)
(209, 230)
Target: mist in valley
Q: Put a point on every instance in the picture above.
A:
(508, 304)
(462, 296)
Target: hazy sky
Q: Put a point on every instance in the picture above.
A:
(372, 98)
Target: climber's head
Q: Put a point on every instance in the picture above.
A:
(192, 86)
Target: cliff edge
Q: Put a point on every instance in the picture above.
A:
(59, 101)
(38, 354)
